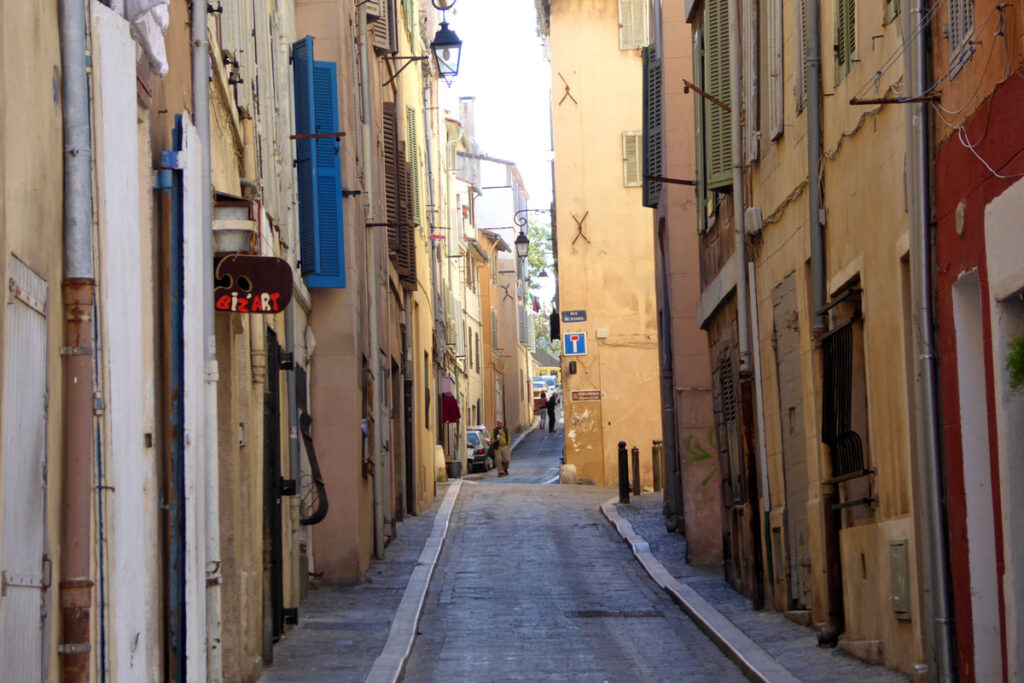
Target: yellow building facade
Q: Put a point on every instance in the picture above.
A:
(603, 241)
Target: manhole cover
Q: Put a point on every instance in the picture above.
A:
(615, 614)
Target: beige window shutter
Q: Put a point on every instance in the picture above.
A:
(632, 143)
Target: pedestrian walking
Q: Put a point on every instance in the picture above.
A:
(542, 405)
(501, 448)
(550, 407)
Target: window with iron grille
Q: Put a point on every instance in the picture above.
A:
(959, 31)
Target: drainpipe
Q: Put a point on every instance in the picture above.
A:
(736, 135)
(936, 550)
(79, 291)
(673, 482)
(201, 113)
(372, 263)
(812, 71)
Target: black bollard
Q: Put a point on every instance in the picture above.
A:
(636, 470)
(623, 473)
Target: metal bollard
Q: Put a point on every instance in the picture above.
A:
(656, 456)
(623, 473)
(636, 470)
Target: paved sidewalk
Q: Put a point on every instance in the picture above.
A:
(344, 629)
(774, 647)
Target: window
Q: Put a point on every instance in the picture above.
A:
(321, 238)
(652, 128)
(776, 91)
(846, 37)
(729, 423)
(717, 134)
(401, 238)
(960, 31)
(632, 24)
(892, 10)
(632, 142)
(494, 330)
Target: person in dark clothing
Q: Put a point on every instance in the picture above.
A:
(550, 407)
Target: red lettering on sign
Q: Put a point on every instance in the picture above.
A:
(224, 303)
(274, 297)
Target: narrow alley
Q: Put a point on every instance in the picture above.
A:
(532, 582)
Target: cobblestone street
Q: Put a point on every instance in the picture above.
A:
(533, 584)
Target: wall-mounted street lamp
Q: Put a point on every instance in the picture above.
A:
(522, 245)
(446, 46)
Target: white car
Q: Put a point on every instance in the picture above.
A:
(477, 448)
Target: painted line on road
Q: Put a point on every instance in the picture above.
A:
(753, 660)
(389, 664)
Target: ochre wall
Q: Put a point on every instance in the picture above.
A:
(610, 274)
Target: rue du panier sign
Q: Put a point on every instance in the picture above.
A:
(252, 284)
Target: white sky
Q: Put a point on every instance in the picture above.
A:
(504, 68)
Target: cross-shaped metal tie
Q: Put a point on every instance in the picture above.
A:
(579, 227)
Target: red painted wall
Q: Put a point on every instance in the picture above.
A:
(996, 132)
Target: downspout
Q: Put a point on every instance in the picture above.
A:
(671, 464)
(936, 551)
(812, 72)
(201, 114)
(79, 292)
(372, 256)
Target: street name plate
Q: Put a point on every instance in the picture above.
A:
(574, 316)
(588, 395)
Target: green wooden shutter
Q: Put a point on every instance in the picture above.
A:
(718, 147)
(701, 190)
(653, 128)
(411, 23)
(846, 37)
(800, 90)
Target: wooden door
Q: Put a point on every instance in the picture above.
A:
(23, 567)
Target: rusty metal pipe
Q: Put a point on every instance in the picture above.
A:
(79, 293)
(76, 528)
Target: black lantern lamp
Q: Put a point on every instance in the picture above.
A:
(447, 49)
(446, 46)
(522, 245)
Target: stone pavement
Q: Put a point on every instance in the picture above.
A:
(786, 643)
(534, 585)
(342, 630)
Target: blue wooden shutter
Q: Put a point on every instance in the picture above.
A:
(330, 237)
(305, 124)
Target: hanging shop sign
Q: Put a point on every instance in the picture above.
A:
(252, 284)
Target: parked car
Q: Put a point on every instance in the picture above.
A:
(476, 452)
(552, 383)
(481, 428)
(539, 386)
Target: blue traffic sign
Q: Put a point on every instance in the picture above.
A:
(574, 343)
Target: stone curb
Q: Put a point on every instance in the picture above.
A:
(389, 664)
(753, 660)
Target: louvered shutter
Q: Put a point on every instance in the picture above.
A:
(330, 241)
(522, 324)
(411, 15)
(960, 31)
(653, 130)
(631, 158)
(776, 91)
(414, 162)
(718, 148)
(305, 124)
(494, 330)
(801, 70)
(846, 37)
(384, 30)
(392, 179)
(460, 330)
(632, 24)
(750, 74)
(701, 190)
(406, 258)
